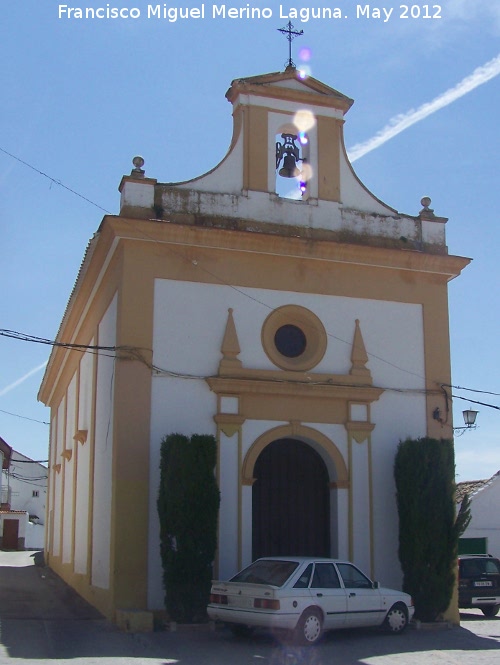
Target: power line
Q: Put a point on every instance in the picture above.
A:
(57, 182)
(473, 401)
(179, 254)
(141, 231)
(14, 334)
(29, 461)
(472, 390)
(30, 482)
(42, 422)
(135, 353)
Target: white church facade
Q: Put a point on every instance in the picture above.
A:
(307, 331)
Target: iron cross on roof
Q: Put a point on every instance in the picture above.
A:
(290, 35)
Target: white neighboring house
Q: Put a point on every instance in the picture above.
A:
(25, 485)
(483, 533)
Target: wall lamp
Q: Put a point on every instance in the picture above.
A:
(469, 419)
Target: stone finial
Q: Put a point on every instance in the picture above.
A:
(426, 211)
(137, 171)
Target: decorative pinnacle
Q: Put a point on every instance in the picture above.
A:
(290, 35)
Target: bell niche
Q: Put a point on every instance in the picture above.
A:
(293, 170)
(287, 136)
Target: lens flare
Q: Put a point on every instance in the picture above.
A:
(306, 172)
(304, 71)
(304, 120)
(305, 54)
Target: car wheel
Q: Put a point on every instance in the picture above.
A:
(490, 610)
(309, 628)
(396, 619)
(240, 630)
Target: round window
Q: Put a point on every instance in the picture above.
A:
(294, 338)
(290, 341)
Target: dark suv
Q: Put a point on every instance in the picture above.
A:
(479, 583)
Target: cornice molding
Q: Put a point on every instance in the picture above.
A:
(276, 383)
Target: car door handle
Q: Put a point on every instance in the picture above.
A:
(320, 595)
(352, 594)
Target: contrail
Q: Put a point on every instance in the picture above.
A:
(22, 379)
(402, 121)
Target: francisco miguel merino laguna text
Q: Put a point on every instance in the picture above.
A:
(172, 14)
(303, 14)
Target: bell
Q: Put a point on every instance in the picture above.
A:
(289, 169)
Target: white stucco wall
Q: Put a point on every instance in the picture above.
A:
(83, 459)
(49, 539)
(189, 326)
(68, 471)
(485, 522)
(27, 480)
(35, 536)
(228, 512)
(103, 455)
(57, 446)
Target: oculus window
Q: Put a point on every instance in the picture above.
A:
(294, 338)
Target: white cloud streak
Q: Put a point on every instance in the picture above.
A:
(18, 382)
(402, 121)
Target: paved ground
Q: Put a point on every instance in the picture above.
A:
(42, 620)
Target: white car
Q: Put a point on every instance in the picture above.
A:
(306, 596)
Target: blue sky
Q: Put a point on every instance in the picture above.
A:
(81, 97)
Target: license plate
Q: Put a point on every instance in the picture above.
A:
(483, 584)
(240, 601)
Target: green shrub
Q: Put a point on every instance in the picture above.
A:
(188, 504)
(424, 472)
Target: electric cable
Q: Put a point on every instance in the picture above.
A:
(196, 263)
(56, 182)
(16, 415)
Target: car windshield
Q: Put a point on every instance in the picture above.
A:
(266, 571)
(479, 566)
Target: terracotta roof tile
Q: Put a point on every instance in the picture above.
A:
(470, 487)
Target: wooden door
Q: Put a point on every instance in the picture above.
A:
(10, 534)
(290, 501)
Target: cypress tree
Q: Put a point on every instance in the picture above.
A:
(424, 472)
(188, 504)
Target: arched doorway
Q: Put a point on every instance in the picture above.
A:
(290, 501)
